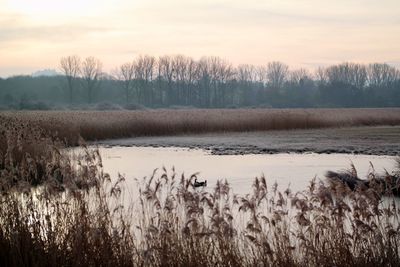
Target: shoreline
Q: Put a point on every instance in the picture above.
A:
(377, 140)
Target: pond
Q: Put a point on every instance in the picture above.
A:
(294, 170)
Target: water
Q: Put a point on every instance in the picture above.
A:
(294, 170)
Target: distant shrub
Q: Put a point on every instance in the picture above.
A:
(232, 106)
(107, 106)
(34, 105)
(134, 106)
(181, 107)
(263, 106)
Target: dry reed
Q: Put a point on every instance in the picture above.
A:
(96, 125)
(78, 216)
(174, 224)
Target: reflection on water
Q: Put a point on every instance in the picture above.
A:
(295, 170)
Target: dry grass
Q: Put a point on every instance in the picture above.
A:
(174, 224)
(386, 183)
(78, 216)
(96, 125)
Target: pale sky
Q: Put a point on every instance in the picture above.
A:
(35, 34)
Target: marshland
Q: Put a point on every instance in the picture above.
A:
(101, 188)
(66, 201)
(199, 133)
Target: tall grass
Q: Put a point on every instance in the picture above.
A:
(92, 125)
(173, 224)
(76, 215)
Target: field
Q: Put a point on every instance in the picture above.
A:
(55, 210)
(98, 125)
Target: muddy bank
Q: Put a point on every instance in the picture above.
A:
(383, 140)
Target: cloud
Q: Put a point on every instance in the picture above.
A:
(57, 33)
(230, 14)
(305, 32)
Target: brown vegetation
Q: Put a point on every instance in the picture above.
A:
(78, 217)
(387, 183)
(92, 125)
(174, 224)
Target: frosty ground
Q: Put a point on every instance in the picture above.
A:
(377, 140)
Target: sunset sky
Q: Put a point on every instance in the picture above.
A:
(302, 33)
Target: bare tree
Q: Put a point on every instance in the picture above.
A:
(261, 73)
(246, 73)
(247, 77)
(277, 73)
(225, 92)
(91, 76)
(144, 73)
(166, 68)
(348, 73)
(204, 82)
(126, 75)
(382, 74)
(192, 71)
(337, 73)
(166, 74)
(298, 77)
(359, 75)
(320, 75)
(220, 72)
(180, 65)
(149, 63)
(70, 66)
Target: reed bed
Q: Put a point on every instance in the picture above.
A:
(76, 215)
(173, 224)
(69, 126)
(56, 210)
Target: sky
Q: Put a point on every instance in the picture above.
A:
(35, 34)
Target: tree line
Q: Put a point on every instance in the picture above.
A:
(210, 82)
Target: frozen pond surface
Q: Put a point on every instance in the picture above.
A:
(286, 169)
